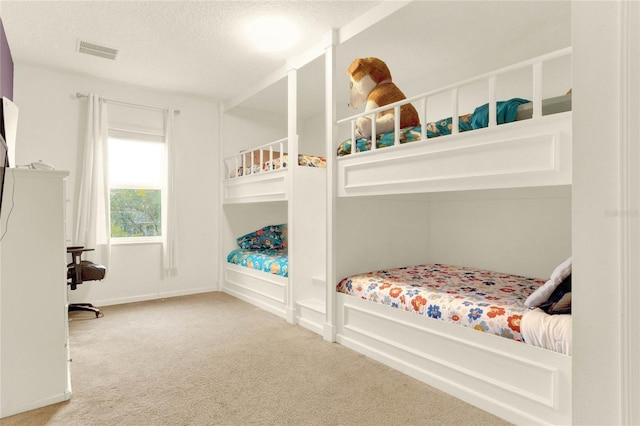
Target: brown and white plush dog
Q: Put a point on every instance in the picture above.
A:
(370, 82)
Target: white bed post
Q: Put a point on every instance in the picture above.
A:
(455, 121)
(353, 136)
(292, 132)
(331, 135)
(271, 157)
(537, 90)
(374, 133)
(396, 125)
(222, 228)
(493, 121)
(423, 118)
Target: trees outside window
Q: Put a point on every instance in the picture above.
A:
(137, 170)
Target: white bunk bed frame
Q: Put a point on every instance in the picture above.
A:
(532, 152)
(265, 185)
(513, 380)
(265, 290)
(275, 293)
(518, 382)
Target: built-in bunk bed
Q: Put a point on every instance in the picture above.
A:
(273, 207)
(452, 243)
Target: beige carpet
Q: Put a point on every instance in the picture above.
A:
(211, 359)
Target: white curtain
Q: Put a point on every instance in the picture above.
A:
(92, 218)
(169, 243)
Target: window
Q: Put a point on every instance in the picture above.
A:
(137, 170)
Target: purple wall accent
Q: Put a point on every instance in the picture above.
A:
(6, 66)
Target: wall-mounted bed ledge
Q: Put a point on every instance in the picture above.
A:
(514, 155)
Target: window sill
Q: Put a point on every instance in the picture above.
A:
(135, 240)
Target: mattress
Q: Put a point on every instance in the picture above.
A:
(271, 261)
(278, 163)
(487, 301)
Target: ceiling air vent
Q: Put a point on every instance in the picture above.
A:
(97, 50)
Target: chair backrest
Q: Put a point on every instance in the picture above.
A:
(80, 270)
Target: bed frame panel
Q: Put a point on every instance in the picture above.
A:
(520, 383)
(262, 185)
(271, 186)
(519, 154)
(262, 289)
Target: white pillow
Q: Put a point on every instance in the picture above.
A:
(542, 294)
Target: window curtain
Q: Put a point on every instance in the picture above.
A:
(169, 243)
(92, 216)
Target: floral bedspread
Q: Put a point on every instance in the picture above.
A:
(303, 160)
(488, 301)
(272, 261)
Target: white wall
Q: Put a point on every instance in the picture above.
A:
(311, 136)
(51, 128)
(519, 231)
(523, 231)
(245, 128)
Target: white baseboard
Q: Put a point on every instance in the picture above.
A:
(153, 296)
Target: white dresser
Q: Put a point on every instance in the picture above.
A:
(34, 356)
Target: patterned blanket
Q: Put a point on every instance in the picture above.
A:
(272, 261)
(488, 301)
(506, 113)
(303, 160)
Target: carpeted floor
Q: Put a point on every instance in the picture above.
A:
(211, 359)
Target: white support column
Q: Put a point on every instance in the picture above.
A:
(630, 207)
(292, 133)
(331, 135)
(606, 379)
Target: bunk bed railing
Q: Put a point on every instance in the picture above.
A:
(536, 64)
(252, 161)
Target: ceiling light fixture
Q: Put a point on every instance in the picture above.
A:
(273, 34)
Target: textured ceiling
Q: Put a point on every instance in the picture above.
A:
(198, 47)
(189, 47)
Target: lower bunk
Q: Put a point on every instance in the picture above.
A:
(257, 271)
(262, 289)
(393, 317)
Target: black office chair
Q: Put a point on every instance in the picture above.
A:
(79, 271)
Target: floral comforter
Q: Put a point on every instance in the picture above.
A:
(488, 301)
(272, 261)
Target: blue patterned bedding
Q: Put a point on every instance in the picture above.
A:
(506, 113)
(264, 250)
(271, 261)
(487, 301)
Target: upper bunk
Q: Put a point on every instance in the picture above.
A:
(510, 90)
(270, 140)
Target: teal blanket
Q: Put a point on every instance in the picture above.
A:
(506, 112)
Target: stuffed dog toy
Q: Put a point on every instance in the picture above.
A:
(370, 82)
